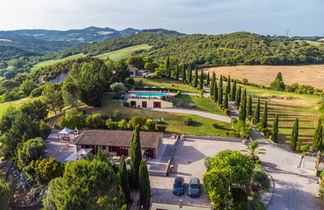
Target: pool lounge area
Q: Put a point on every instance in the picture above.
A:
(149, 99)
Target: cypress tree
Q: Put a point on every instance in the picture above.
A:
(177, 73)
(201, 81)
(265, 116)
(294, 136)
(249, 107)
(144, 186)
(168, 67)
(212, 84)
(228, 87)
(215, 97)
(257, 113)
(196, 78)
(242, 114)
(220, 90)
(124, 182)
(189, 71)
(275, 129)
(238, 97)
(225, 103)
(233, 91)
(184, 80)
(318, 137)
(208, 80)
(136, 155)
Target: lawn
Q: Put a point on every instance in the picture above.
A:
(166, 83)
(201, 126)
(124, 53)
(289, 106)
(51, 62)
(201, 103)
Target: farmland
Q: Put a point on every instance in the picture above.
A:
(6, 105)
(124, 53)
(306, 75)
(51, 62)
(289, 106)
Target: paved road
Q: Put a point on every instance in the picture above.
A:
(295, 186)
(194, 112)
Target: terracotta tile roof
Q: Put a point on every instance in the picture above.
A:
(117, 138)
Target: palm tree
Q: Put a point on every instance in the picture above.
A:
(254, 150)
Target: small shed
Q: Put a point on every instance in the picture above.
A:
(65, 134)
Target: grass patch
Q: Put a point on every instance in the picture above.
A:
(289, 106)
(166, 83)
(6, 105)
(200, 127)
(123, 53)
(51, 62)
(202, 103)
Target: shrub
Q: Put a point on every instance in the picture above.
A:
(117, 113)
(160, 128)
(126, 104)
(177, 93)
(304, 148)
(260, 180)
(150, 125)
(123, 124)
(111, 125)
(4, 193)
(227, 111)
(95, 121)
(187, 121)
(137, 120)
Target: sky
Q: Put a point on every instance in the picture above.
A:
(268, 17)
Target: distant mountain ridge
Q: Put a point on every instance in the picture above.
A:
(42, 41)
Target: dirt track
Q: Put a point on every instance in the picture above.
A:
(307, 75)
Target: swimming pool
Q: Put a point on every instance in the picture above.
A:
(150, 94)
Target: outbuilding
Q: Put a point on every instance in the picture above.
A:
(117, 142)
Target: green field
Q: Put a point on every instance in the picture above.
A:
(201, 103)
(51, 62)
(200, 127)
(6, 105)
(123, 53)
(289, 106)
(165, 83)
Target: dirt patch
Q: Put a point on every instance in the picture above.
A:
(307, 74)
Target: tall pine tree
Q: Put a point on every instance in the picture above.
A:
(318, 137)
(265, 116)
(177, 73)
(168, 67)
(238, 97)
(275, 129)
(211, 86)
(249, 107)
(144, 186)
(228, 87)
(257, 112)
(124, 181)
(196, 78)
(215, 96)
(201, 81)
(294, 136)
(135, 155)
(242, 114)
(220, 90)
(207, 80)
(225, 103)
(184, 79)
(233, 91)
(189, 71)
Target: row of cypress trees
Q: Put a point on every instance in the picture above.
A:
(139, 174)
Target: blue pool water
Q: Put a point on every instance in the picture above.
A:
(150, 94)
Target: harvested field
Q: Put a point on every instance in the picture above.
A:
(307, 74)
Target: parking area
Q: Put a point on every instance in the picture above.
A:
(189, 162)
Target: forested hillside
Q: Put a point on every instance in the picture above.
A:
(214, 50)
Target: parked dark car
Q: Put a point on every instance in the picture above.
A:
(194, 187)
(178, 186)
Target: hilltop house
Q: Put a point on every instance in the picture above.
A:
(117, 142)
